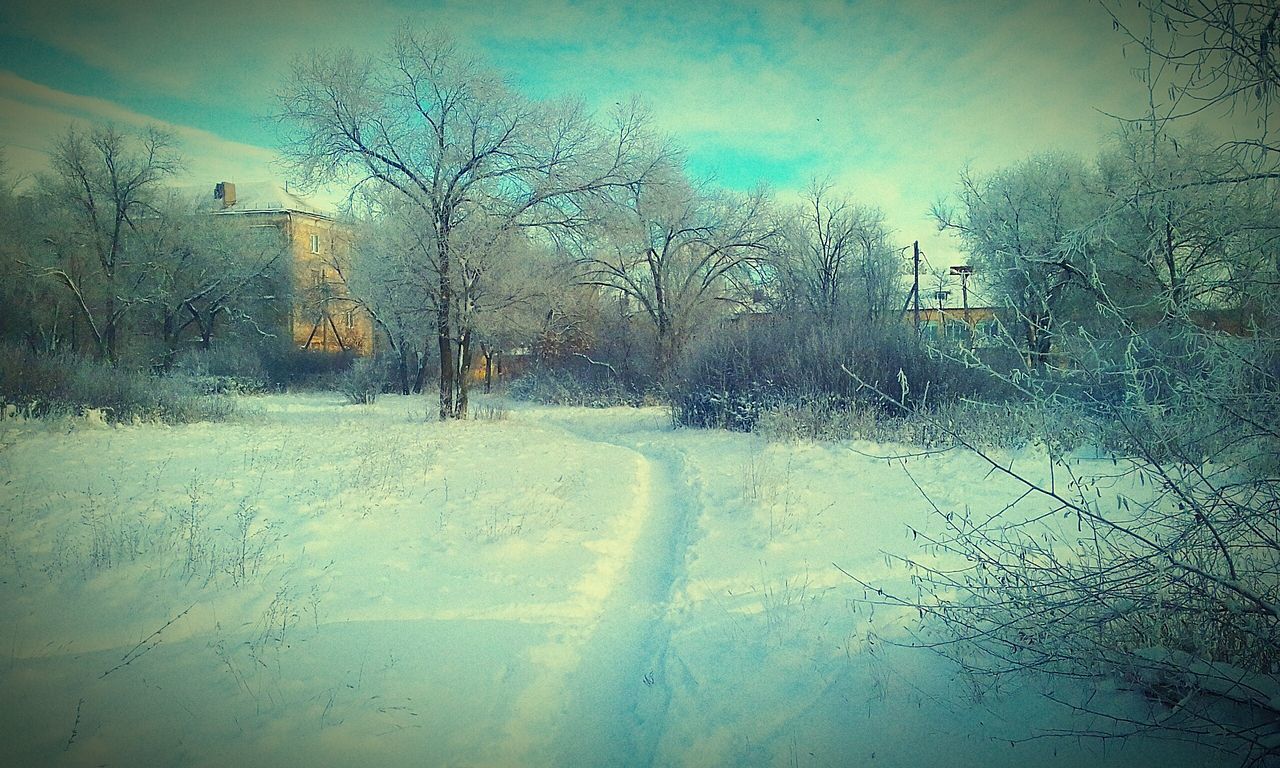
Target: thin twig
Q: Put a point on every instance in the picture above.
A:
(139, 650)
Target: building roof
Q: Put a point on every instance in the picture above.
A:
(257, 197)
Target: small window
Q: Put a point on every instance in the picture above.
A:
(350, 318)
(315, 243)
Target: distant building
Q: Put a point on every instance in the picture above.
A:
(323, 316)
(974, 325)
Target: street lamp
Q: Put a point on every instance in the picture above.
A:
(964, 270)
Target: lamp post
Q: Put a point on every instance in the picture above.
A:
(964, 270)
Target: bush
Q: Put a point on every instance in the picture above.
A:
(288, 366)
(592, 386)
(1161, 570)
(744, 371)
(363, 381)
(737, 409)
(1008, 426)
(226, 368)
(48, 384)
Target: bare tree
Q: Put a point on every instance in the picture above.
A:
(506, 280)
(1159, 569)
(523, 285)
(31, 310)
(836, 259)
(105, 182)
(501, 282)
(1213, 56)
(446, 133)
(203, 269)
(394, 279)
(1167, 247)
(676, 249)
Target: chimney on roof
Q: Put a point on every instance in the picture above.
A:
(226, 192)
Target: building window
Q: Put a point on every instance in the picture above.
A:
(350, 318)
(317, 277)
(315, 243)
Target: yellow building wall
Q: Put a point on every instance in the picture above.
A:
(952, 322)
(972, 316)
(324, 317)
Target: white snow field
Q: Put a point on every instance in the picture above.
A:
(317, 583)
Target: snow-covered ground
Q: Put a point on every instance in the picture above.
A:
(324, 584)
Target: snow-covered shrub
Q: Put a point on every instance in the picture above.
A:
(798, 369)
(288, 366)
(1005, 425)
(237, 360)
(737, 411)
(226, 385)
(489, 412)
(177, 401)
(363, 382)
(224, 369)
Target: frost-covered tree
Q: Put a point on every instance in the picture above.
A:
(1168, 244)
(1013, 224)
(500, 282)
(438, 127)
(1159, 569)
(34, 312)
(1207, 58)
(204, 271)
(393, 278)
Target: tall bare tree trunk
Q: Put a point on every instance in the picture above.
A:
(402, 367)
(109, 335)
(170, 337)
(206, 332)
(420, 378)
(462, 378)
(664, 361)
(488, 370)
(443, 337)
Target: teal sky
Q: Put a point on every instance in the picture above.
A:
(890, 100)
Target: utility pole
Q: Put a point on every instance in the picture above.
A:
(915, 285)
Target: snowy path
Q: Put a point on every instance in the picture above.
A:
(616, 699)
(618, 695)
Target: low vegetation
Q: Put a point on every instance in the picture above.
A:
(66, 384)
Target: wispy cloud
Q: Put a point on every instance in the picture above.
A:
(229, 48)
(31, 115)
